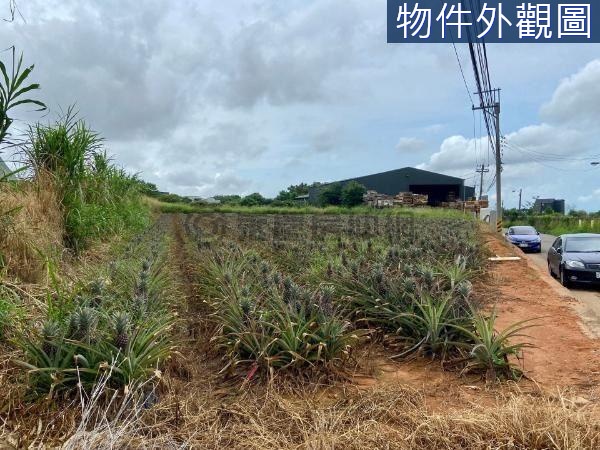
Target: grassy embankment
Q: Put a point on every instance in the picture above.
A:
(424, 212)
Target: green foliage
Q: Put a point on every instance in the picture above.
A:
(254, 199)
(149, 189)
(173, 198)
(98, 198)
(352, 194)
(490, 351)
(117, 324)
(429, 328)
(228, 199)
(7, 312)
(270, 322)
(331, 194)
(56, 364)
(294, 191)
(425, 212)
(13, 88)
(557, 224)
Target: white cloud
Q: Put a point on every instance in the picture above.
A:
(577, 98)
(549, 158)
(410, 144)
(256, 95)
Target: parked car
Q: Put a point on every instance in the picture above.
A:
(575, 258)
(525, 237)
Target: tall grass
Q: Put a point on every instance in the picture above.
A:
(97, 198)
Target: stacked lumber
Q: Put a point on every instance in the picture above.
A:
(410, 199)
(375, 199)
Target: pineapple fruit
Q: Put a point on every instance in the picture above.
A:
(121, 328)
(50, 332)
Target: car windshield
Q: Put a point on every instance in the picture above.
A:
(523, 230)
(583, 244)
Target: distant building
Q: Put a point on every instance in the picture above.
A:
(301, 198)
(542, 204)
(207, 200)
(438, 187)
(211, 201)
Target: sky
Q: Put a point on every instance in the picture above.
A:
(205, 98)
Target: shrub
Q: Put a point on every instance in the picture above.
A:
(331, 194)
(352, 194)
(253, 200)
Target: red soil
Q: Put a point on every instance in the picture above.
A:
(564, 355)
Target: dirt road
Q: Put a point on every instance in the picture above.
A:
(588, 306)
(565, 352)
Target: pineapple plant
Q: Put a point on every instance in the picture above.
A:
(97, 288)
(83, 324)
(142, 285)
(50, 333)
(247, 307)
(121, 330)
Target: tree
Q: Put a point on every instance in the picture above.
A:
(173, 198)
(292, 192)
(295, 190)
(254, 199)
(352, 194)
(148, 189)
(331, 194)
(228, 199)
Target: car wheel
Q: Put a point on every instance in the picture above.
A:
(563, 279)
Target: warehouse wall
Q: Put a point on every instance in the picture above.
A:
(400, 180)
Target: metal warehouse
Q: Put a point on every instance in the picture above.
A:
(438, 187)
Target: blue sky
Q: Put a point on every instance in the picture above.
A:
(207, 98)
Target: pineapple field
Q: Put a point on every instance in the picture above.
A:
(233, 330)
(129, 320)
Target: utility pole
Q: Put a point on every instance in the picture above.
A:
(520, 193)
(481, 170)
(493, 109)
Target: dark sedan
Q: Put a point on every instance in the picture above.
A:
(525, 237)
(575, 258)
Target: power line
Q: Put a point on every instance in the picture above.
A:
(462, 73)
(551, 156)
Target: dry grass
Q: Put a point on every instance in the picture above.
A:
(34, 231)
(393, 417)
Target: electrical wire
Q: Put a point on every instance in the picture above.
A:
(543, 161)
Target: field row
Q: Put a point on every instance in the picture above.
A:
(303, 292)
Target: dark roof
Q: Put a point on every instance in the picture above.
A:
(414, 170)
